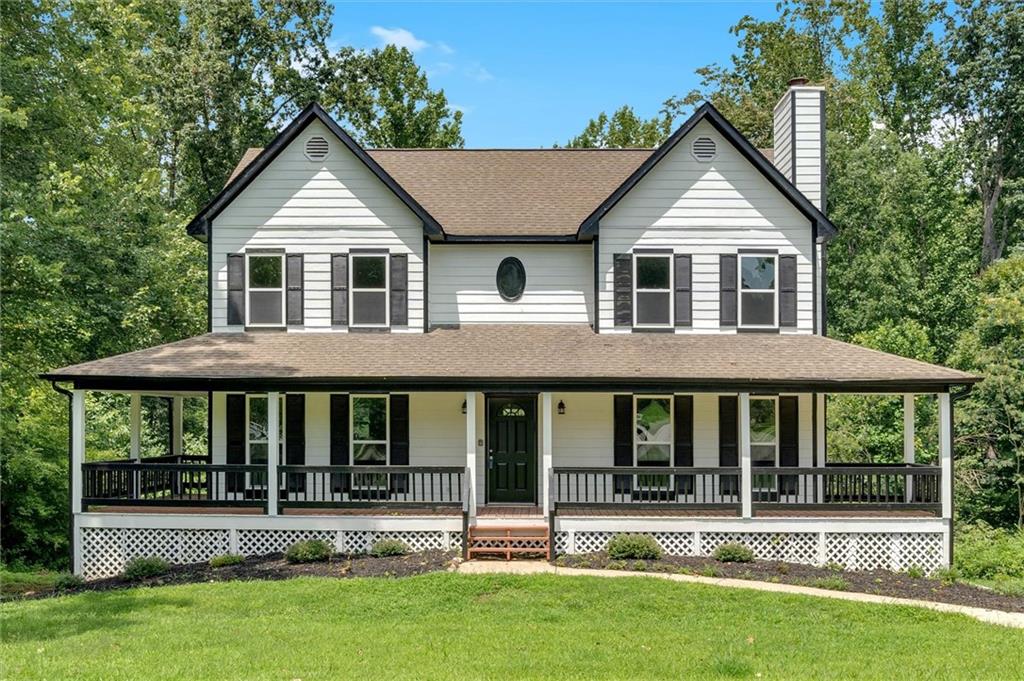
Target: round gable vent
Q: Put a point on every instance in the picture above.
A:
(317, 148)
(704, 149)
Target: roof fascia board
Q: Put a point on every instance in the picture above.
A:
(708, 112)
(199, 226)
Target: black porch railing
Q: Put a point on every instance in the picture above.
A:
(336, 486)
(883, 487)
(680, 487)
(132, 483)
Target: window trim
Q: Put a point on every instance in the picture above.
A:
(740, 290)
(283, 289)
(666, 255)
(282, 434)
(671, 423)
(352, 429)
(775, 463)
(352, 290)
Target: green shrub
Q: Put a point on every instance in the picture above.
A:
(832, 583)
(639, 566)
(389, 547)
(146, 566)
(947, 576)
(67, 581)
(733, 552)
(984, 552)
(226, 560)
(309, 551)
(915, 572)
(615, 565)
(633, 547)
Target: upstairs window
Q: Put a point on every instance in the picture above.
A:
(265, 289)
(758, 291)
(652, 292)
(368, 289)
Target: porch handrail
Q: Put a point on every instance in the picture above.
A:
(134, 483)
(638, 486)
(911, 486)
(357, 486)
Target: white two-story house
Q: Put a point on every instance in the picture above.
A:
(521, 350)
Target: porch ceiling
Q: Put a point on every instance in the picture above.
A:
(510, 357)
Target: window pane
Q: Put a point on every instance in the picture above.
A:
(369, 418)
(371, 454)
(762, 422)
(258, 418)
(652, 272)
(758, 309)
(762, 455)
(652, 455)
(264, 307)
(369, 272)
(653, 420)
(258, 453)
(265, 271)
(757, 272)
(368, 307)
(653, 308)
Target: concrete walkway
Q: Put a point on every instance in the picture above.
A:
(536, 567)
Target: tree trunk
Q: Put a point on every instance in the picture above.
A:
(992, 241)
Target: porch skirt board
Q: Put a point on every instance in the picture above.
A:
(895, 551)
(106, 550)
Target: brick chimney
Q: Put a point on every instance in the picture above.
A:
(799, 138)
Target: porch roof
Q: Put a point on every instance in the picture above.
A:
(511, 357)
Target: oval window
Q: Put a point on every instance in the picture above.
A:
(511, 279)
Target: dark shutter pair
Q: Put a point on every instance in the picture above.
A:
(728, 440)
(294, 271)
(728, 299)
(398, 293)
(622, 283)
(624, 431)
(294, 444)
(339, 441)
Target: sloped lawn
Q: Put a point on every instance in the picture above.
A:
(453, 626)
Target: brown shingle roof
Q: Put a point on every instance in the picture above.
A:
(506, 192)
(558, 355)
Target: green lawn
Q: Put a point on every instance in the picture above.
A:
(489, 626)
(12, 582)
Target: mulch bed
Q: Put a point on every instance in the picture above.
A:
(274, 567)
(879, 582)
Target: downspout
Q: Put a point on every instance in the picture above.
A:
(71, 511)
(953, 399)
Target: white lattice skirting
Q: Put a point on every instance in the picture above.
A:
(853, 550)
(106, 550)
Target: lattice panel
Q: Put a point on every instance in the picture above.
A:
(360, 541)
(105, 550)
(592, 542)
(675, 543)
(561, 542)
(262, 542)
(885, 550)
(791, 547)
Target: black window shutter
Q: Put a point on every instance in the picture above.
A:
(623, 441)
(294, 295)
(295, 439)
(235, 428)
(236, 289)
(787, 290)
(399, 434)
(789, 440)
(682, 428)
(622, 281)
(728, 442)
(339, 289)
(339, 441)
(684, 289)
(727, 290)
(399, 290)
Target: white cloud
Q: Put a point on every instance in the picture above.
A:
(399, 37)
(439, 69)
(444, 48)
(478, 73)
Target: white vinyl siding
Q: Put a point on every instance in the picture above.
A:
(799, 157)
(317, 209)
(705, 209)
(463, 286)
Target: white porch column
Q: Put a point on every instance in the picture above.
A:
(547, 455)
(135, 427)
(908, 428)
(820, 443)
(177, 427)
(946, 453)
(746, 479)
(77, 448)
(471, 451)
(273, 419)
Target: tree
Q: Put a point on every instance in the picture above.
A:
(985, 92)
(623, 130)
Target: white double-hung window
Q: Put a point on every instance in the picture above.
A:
(652, 437)
(759, 298)
(368, 289)
(764, 439)
(265, 289)
(652, 290)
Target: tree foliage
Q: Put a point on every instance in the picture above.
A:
(623, 130)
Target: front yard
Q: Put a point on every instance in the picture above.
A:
(445, 625)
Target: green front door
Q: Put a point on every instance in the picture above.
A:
(511, 449)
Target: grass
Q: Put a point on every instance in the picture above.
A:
(488, 626)
(12, 582)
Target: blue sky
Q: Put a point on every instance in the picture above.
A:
(533, 74)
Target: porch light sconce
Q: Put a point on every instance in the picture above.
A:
(561, 407)
(463, 406)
